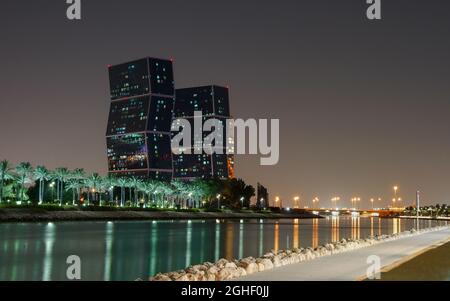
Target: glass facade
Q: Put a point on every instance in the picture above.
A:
(127, 152)
(141, 110)
(128, 116)
(161, 78)
(221, 104)
(129, 79)
(213, 102)
(161, 108)
(194, 99)
(192, 166)
(143, 105)
(159, 151)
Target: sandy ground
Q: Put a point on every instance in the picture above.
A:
(353, 265)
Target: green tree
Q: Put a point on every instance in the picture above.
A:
(41, 174)
(92, 183)
(74, 185)
(24, 172)
(5, 175)
(60, 175)
(122, 183)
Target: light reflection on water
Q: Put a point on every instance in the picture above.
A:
(129, 250)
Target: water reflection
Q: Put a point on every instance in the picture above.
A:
(355, 227)
(295, 234)
(315, 233)
(108, 253)
(276, 238)
(229, 241)
(130, 250)
(48, 257)
(335, 228)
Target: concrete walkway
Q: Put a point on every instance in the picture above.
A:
(352, 265)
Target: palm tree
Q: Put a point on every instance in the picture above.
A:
(93, 183)
(5, 174)
(24, 171)
(103, 186)
(110, 183)
(41, 174)
(147, 188)
(74, 185)
(122, 183)
(80, 175)
(60, 174)
(134, 183)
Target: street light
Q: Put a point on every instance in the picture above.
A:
(334, 200)
(277, 200)
(372, 200)
(218, 200)
(242, 202)
(296, 199)
(315, 200)
(52, 186)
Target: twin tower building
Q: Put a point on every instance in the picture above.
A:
(144, 102)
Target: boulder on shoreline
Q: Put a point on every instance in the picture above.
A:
(225, 269)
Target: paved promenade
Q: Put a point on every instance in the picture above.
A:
(352, 265)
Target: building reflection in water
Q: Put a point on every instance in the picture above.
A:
(202, 245)
(355, 227)
(217, 242)
(295, 234)
(396, 225)
(335, 228)
(379, 226)
(229, 236)
(261, 237)
(153, 245)
(49, 240)
(315, 233)
(108, 253)
(276, 238)
(188, 242)
(241, 239)
(371, 226)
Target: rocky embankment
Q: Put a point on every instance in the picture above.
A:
(41, 215)
(226, 270)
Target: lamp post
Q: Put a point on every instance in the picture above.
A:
(218, 201)
(296, 203)
(394, 200)
(315, 200)
(372, 200)
(335, 200)
(52, 186)
(417, 208)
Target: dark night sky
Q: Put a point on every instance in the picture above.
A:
(362, 105)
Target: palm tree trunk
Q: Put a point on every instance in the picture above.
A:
(1, 191)
(40, 191)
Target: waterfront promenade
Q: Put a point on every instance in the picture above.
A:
(352, 265)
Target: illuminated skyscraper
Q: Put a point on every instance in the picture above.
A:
(140, 116)
(213, 102)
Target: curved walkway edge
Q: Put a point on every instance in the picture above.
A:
(352, 265)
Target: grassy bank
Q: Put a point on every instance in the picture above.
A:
(73, 213)
(433, 265)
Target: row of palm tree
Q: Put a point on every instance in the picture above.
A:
(119, 191)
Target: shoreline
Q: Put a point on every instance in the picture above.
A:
(41, 215)
(343, 260)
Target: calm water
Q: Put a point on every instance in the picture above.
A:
(130, 250)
